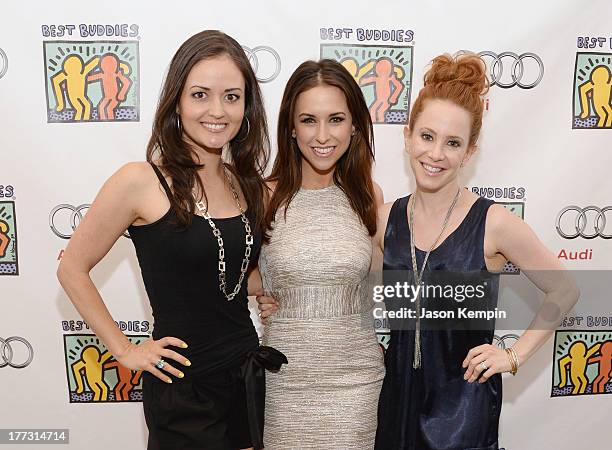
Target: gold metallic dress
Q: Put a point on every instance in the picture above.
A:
(315, 266)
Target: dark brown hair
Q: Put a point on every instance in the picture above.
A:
(249, 150)
(353, 171)
(462, 80)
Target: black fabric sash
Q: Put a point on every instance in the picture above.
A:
(253, 371)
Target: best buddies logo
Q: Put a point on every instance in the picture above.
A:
(8, 231)
(382, 67)
(582, 362)
(93, 80)
(592, 81)
(93, 375)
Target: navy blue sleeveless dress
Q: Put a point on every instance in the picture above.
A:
(434, 407)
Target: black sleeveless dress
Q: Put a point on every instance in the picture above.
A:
(208, 407)
(434, 408)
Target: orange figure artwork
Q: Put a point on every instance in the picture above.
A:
(605, 367)
(387, 88)
(113, 75)
(4, 238)
(127, 380)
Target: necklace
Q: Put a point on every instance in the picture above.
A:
(203, 211)
(418, 275)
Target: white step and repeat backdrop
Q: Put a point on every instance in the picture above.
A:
(545, 146)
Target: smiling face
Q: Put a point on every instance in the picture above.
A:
(438, 144)
(212, 103)
(322, 128)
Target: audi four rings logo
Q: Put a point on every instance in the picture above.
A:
(7, 352)
(268, 67)
(3, 63)
(514, 65)
(587, 227)
(505, 341)
(64, 219)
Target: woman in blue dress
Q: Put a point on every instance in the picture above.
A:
(443, 388)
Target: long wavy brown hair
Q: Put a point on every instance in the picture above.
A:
(248, 150)
(353, 171)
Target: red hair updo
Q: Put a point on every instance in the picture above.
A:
(462, 80)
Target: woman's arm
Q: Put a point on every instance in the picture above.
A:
(509, 236)
(114, 209)
(254, 283)
(378, 240)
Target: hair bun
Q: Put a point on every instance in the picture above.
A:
(466, 68)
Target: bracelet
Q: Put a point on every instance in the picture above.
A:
(516, 358)
(514, 361)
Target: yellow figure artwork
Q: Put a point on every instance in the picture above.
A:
(74, 76)
(576, 362)
(599, 89)
(90, 367)
(351, 65)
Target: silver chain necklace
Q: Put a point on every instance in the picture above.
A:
(418, 275)
(203, 211)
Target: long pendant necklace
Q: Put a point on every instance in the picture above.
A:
(418, 275)
(203, 211)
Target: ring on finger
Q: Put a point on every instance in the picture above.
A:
(483, 366)
(160, 364)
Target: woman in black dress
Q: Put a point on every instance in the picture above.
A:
(443, 388)
(196, 222)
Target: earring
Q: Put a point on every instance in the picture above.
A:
(178, 124)
(293, 135)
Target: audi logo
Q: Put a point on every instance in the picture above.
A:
(595, 221)
(519, 75)
(272, 62)
(3, 63)
(505, 341)
(63, 224)
(7, 352)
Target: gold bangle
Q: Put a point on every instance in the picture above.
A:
(513, 362)
(515, 356)
(510, 359)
